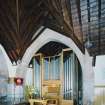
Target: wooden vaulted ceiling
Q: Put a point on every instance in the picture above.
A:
(22, 21)
(52, 48)
(19, 20)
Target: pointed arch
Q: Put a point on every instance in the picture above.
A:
(84, 59)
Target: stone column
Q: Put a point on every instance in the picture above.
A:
(88, 81)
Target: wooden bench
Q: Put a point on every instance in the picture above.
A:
(67, 102)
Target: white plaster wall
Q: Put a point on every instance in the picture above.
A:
(3, 62)
(99, 70)
(6, 63)
(8, 70)
(99, 88)
(4, 74)
(85, 61)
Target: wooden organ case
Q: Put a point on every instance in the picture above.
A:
(53, 78)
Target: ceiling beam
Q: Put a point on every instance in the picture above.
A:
(79, 17)
(64, 26)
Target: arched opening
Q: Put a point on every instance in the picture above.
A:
(85, 60)
(55, 63)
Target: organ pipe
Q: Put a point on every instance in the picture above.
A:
(60, 67)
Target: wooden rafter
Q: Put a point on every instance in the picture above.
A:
(65, 27)
(20, 20)
(79, 15)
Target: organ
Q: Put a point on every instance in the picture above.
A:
(56, 77)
